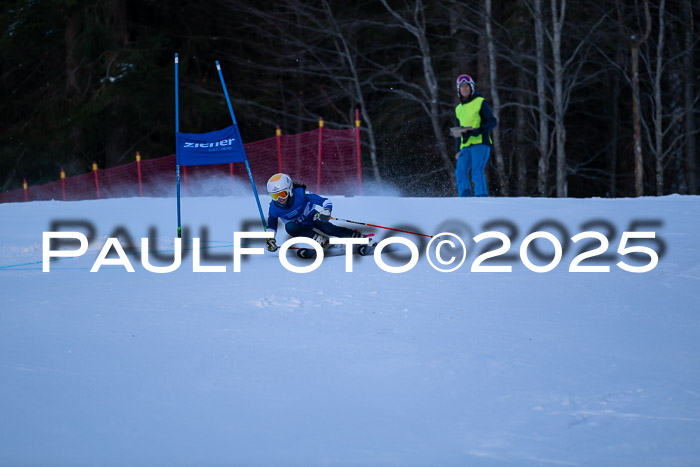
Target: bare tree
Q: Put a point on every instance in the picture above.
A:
(658, 113)
(416, 25)
(495, 100)
(521, 148)
(349, 55)
(690, 99)
(331, 55)
(667, 136)
(558, 14)
(543, 115)
(555, 90)
(635, 40)
(614, 132)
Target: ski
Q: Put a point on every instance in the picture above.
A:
(337, 250)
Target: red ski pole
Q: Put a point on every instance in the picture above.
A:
(380, 227)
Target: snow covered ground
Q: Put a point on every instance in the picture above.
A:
(269, 367)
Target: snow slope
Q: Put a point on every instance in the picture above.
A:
(269, 367)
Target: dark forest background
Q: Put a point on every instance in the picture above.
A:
(594, 98)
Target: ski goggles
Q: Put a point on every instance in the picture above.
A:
(280, 195)
(464, 79)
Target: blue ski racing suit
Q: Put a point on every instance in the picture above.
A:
(301, 217)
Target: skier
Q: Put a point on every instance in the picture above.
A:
(305, 214)
(474, 146)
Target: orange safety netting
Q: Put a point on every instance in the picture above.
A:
(339, 174)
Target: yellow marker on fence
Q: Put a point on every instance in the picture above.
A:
(138, 171)
(278, 133)
(320, 155)
(63, 184)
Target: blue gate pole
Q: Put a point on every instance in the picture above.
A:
(247, 166)
(177, 166)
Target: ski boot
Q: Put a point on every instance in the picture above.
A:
(322, 240)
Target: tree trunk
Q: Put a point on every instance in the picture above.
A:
(496, 101)
(658, 114)
(521, 129)
(636, 125)
(518, 149)
(635, 43)
(690, 80)
(543, 133)
(460, 57)
(433, 90)
(614, 130)
(372, 141)
(559, 128)
(482, 66)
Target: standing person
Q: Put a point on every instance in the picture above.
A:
(304, 214)
(474, 146)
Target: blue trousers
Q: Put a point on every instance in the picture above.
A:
(474, 159)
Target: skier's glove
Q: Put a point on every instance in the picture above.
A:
(324, 216)
(271, 244)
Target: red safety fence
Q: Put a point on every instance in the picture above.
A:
(326, 160)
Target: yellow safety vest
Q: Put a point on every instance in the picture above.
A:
(468, 115)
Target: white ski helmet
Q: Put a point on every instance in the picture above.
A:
(465, 79)
(279, 186)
